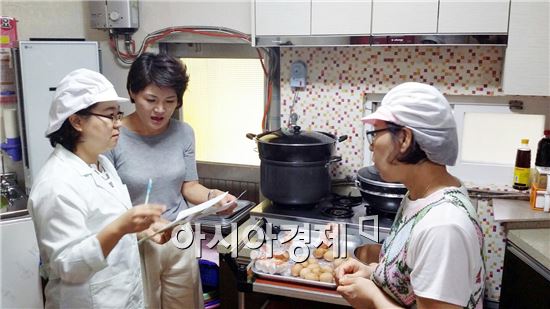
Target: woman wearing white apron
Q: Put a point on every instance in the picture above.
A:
(84, 220)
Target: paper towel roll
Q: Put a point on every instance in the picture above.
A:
(10, 123)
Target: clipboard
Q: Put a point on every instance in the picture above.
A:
(196, 212)
(187, 215)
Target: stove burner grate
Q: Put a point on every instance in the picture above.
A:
(347, 201)
(337, 212)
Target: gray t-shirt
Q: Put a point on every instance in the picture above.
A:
(168, 159)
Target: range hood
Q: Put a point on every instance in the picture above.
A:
(381, 40)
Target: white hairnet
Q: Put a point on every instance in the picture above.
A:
(424, 110)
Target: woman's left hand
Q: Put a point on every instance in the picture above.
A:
(363, 293)
(357, 291)
(229, 198)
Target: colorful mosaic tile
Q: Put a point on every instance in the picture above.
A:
(494, 243)
(340, 77)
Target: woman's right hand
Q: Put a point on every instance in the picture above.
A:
(160, 238)
(352, 268)
(139, 218)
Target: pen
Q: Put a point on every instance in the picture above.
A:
(149, 186)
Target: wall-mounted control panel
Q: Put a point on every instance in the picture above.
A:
(298, 74)
(122, 15)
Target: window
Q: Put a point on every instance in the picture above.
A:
(223, 102)
(488, 137)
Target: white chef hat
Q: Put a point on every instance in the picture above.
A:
(78, 90)
(424, 110)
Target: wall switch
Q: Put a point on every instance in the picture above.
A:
(298, 73)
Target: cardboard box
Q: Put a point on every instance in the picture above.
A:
(8, 33)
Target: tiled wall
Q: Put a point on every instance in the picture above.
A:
(494, 244)
(340, 77)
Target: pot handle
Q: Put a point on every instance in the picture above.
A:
(342, 138)
(333, 159)
(251, 136)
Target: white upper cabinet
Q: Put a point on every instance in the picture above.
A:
(527, 60)
(312, 17)
(404, 16)
(380, 17)
(283, 17)
(351, 17)
(473, 16)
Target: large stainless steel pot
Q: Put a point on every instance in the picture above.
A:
(383, 196)
(294, 168)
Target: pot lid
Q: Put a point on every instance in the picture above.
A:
(295, 136)
(370, 174)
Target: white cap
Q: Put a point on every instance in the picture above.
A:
(78, 90)
(424, 110)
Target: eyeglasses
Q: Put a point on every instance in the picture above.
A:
(114, 117)
(371, 135)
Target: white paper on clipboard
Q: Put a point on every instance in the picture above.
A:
(191, 213)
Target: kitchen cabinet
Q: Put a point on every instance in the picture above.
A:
(312, 17)
(526, 63)
(21, 285)
(354, 17)
(439, 16)
(473, 16)
(526, 276)
(340, 17)
(404, 17)
(282, 17)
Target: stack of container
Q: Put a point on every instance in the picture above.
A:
(210, 283)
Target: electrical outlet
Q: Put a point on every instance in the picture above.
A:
(298, 73)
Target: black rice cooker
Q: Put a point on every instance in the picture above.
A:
(294, 164)
(382, 196)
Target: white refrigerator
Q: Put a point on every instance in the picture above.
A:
(42, 65)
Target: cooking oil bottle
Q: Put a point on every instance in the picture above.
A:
(522, 169)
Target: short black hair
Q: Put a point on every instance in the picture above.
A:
(66, 135)
(414, 153)
(159, 69)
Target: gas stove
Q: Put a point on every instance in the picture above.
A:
(337, 209)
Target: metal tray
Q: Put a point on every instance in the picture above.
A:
(292, 279)
(351, 243)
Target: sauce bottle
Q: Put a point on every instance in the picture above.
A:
(522, 169)
(543, 150)
(542, 160)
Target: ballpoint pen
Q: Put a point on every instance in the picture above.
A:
(149, 186)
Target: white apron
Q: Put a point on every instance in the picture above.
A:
(70, 203)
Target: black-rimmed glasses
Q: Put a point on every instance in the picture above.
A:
(114, 117)
(371, 135)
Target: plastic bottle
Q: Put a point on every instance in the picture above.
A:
(543, 150)
(522, 169)
(542, 160)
